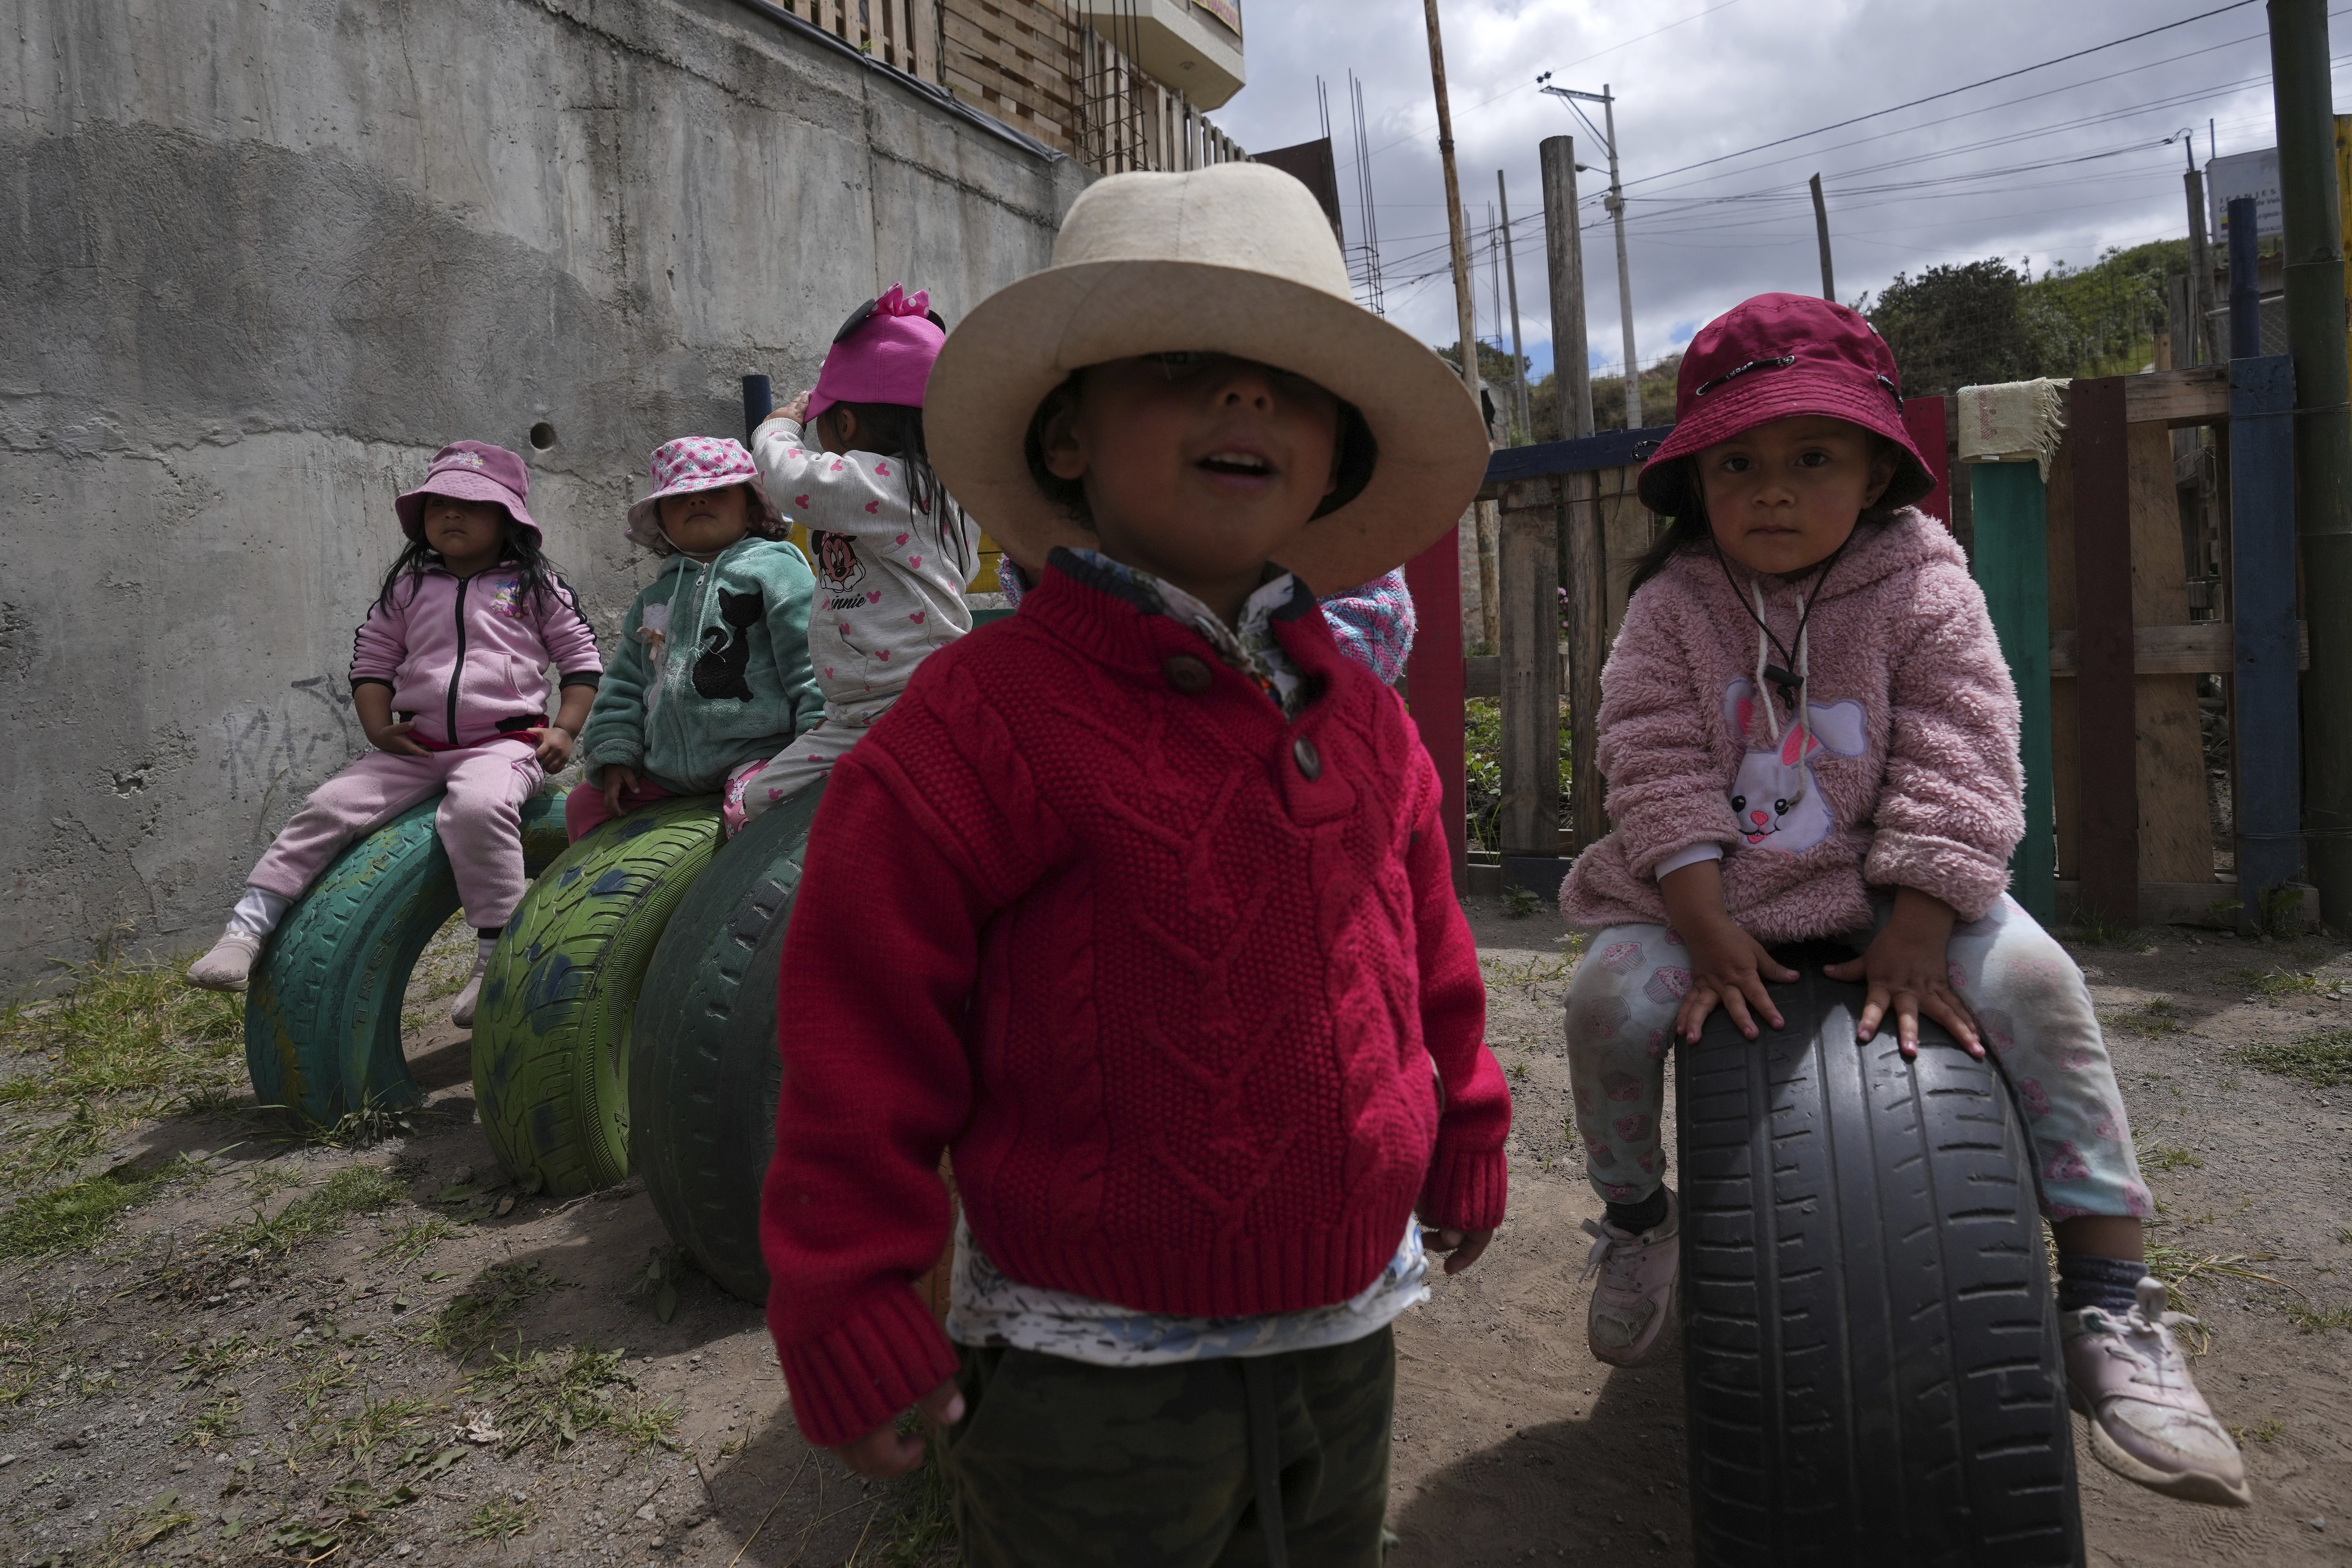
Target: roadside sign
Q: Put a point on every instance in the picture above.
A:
(2254, 174)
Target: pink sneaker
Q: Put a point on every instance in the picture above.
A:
(2148, 1423)
(1634, 1301)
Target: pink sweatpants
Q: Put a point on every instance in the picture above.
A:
(480, 821)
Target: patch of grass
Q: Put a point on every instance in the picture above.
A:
(2322, 1059)
(380, 1421)
(155, 1523)
(2264, 1432)
(216, 1423)
(2318, 1319)
(353, 1190)
(2275, 982)
(216, 1359)
(560, 1397)
(23, 1366)
(408, 1242)
(500, 1518)
(2093, 928)
(2168, 1157)
(2155, 1019)
(1518, 902)
(126, 1042)
(72, 1217)
(480, 1314)
(922, 1534)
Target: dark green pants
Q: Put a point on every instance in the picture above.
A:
(1057, 1463)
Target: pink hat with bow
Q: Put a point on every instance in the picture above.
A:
(883, 353)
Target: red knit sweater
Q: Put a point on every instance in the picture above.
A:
(1167, 972)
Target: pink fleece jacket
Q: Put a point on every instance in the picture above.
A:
(468, 656)
(1906, 774)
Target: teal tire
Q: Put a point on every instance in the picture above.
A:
(554, 1030)
(322, 1009)
(704, 1077)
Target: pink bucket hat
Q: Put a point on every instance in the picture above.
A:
(883, 353)
(469, 471)
(1778, 356)
(693, 463)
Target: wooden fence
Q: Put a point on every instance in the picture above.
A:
(1038, 66)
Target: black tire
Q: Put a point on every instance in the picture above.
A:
(323, 1010)
(555, 1028)
(1871, 1352)
(704, 1077)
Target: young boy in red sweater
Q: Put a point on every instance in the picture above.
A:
(1139, 902)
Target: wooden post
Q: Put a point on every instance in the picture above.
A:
(1588, 647)
(1531, 667)
(2011, 566)
(1821, 233)
(2267, 792)
(1434, 684)
(1463, 304)
(2107, 693)
(1564, 254)
(1485, 529)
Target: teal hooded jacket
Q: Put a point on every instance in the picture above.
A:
(712, 671)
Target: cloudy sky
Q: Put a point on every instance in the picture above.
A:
(2054, 165)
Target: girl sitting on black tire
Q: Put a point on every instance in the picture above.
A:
(712, 678)
(1808, 650)
(449, 677)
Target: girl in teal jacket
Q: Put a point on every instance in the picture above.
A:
(713, 675)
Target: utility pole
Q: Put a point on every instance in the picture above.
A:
(1463, 304)
(1511, 278)
(2312, 249)
(1615, 204)
(1564, 266)
(1822, 232)
(2201, 260)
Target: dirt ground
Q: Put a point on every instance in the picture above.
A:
(296, 1351)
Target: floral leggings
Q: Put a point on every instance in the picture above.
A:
(2031, 1005)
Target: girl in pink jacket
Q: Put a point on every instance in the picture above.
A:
(1808, 730)
(449, 674)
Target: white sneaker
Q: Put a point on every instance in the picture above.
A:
(461, 1005)
(2148, 1423)
(1634, 1301)
(229, 964)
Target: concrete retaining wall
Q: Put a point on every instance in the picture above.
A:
(262, 256)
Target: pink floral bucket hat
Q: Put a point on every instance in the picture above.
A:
(694, 463)
(470, 471)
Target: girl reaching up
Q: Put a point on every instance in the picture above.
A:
(712, 677)
(449, 677)
(894, 553)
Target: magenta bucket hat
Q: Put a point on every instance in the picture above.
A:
(469, 471)
(883, 353)
(693, 463)
(1779, 356)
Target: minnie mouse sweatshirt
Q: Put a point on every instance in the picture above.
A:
(1905, 774)
(891, 575)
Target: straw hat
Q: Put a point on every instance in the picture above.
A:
(1235, 259)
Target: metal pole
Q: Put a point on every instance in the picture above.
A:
(2246, 283)
(1564, 265)
(1511, 279)
(1822, 232)
(1616, 204)
(2312, 248)
(1463, 304)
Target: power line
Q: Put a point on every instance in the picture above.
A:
(1947, 92)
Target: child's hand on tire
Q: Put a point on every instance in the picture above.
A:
(1908, 973)
(1729, 969)
(619, 779)
(393, 737)
(882, 1453)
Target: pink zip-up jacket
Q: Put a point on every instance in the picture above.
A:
(467, 657)
(1906, 774)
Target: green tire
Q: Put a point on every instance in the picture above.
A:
(323, 1010)
(705, 1074)
(553, 1032)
